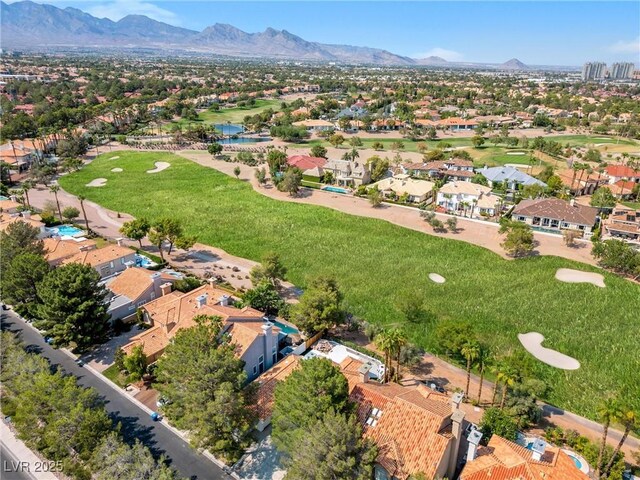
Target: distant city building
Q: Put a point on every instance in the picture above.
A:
(621, 71)
(594, 70)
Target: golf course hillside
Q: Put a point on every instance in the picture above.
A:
(378, 264)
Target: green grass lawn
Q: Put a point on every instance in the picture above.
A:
(378, 263)
(583, 140)
(113, 374)
(237, 114)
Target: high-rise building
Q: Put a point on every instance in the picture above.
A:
(621, 71)
(594, 70)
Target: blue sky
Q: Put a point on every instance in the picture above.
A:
(542, 32)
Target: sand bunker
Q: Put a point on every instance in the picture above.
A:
(116, 170)
(434, 277)
(114, 158)
(569, 275)
(515, 153)
(532, 342)
(98, 182)
(160, 166)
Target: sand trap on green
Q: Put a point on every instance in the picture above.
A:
(569, 275)
(98, 182)
(160, 166)
(532, 342)
(114, 158)
(116, 170)
(434, 277)
(515, 153)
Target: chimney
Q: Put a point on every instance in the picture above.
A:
(572, 202)
(201, 300)
(538, 449)
(165, 288)
(26, 214)
(474, 440)
(119, 241)
(456, 400)
(457, 418)
(267, 329)
(363, 371)
(224, 300)
(13, 198)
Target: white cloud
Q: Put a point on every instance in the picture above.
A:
(449, 55)
(117, 9)
(632, 46)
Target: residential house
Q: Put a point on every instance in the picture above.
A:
(509, 176)
(26, 217)
(313, 125)
(106, 261)
(257, 341)
(506, 460)
(60, 249)
(623, 224)
(17, 158)
(556, 214)
(134, 288)
(615, 173)
(459, 197)
(416, 429)
(403, 186)
(457, 124)
(353, 112)
(310, 166)
(349, 173)
(452, 169)
(9, 205)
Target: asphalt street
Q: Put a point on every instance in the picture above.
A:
(136, 423)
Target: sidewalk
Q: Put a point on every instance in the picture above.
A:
(31, 464)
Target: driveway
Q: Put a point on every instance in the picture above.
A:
(136, 423)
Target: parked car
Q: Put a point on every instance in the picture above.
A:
(48, 340)
(433, 385)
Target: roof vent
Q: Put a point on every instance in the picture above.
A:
(201, 300)
(538, 449)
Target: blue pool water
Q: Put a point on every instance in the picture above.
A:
(2, 197)
(286, 329)
(232, 141)
(63, 230)
(142, 261)
(577, 462)
(335, 189)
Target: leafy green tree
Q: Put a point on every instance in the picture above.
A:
(304, 398)
(18, 238)
(270, 269)
(618, 256)
(73, 308)
(519, 239)
(261, 176)
(375, 197)
(70, 213)
(187, 284)
(20, 280)
(264, 297)
(379, 167)
(603, 198)
(291, 181)
(337, 437)
(136, 363)
(115, 460)
(498, 422)
(477, 141)
(470, 351)
(320, 306)
(237, 171)
(336, 140)
(201, 375)
(378, 146)
(355, 142)
(136, 229)
(276, 159)
(214, 149)
(318, 151)
(452, 224)
(169, 230)
(452, 335)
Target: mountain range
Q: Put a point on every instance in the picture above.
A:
(29, 25)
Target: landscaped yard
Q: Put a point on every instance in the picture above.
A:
(378, 263)
(113, 374)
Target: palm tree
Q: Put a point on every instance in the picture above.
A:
(82, 198)
(384, 342)
(507, 376)
(55, 189)
(495, 369)
(470, 351)
(26, 186)
(399, 341)
(608, 411)
(631, 420)
(482, 363)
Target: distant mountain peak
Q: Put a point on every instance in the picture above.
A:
(514, 64)
(432, 60)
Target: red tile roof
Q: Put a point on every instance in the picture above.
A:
(304, 162)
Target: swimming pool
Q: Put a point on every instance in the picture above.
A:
(286, 329)
(578, 461)
(335, 189)
(65, 230)
(144, 262)
(2, 197)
